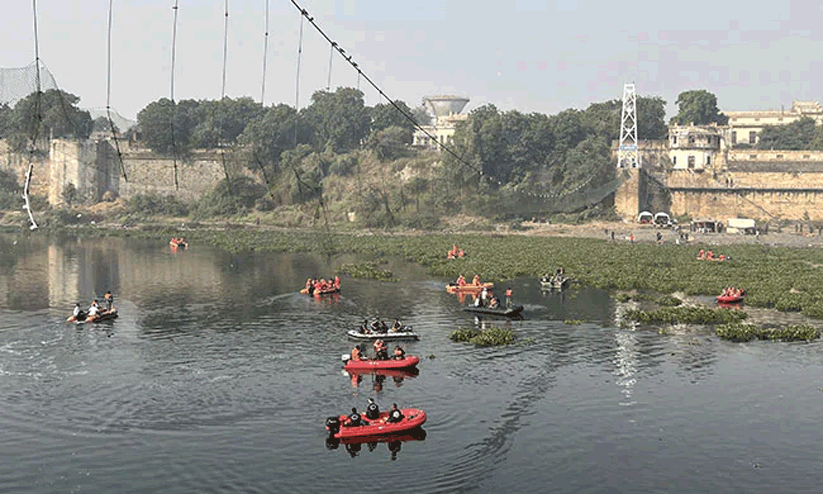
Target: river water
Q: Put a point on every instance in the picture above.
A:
(217, 377)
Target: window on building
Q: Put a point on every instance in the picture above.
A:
(734, 137)
(806, 156)
(708, 160)
(752, 156)
(674, 139)
(691, 162)
(779, 157)
(674, 160)
(691, 139)
(752, 137)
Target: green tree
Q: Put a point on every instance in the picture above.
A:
(698, 107)
(280, 128)
(385, 115)
(421, 116)
(222, 122)
(390, 143)
(796, 135)
(5, 121)
(53, 113)
(340, 120)
(155, 122)
(817, 140)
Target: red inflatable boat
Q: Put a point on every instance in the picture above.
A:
(412, 418)
(368, 365)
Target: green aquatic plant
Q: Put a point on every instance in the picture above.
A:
(741, 332)
(782, 278)
(367, 270)
(493, 336)
(686, 315)
(668, 301)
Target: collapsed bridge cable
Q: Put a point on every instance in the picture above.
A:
(108, 96)
(35, 125)
(171, 92)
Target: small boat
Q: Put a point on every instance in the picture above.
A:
(412, 419)
(469, 287)
(405, 333)
(502, 311)
(554, 284)
(319, 293)
(373, 364)
(101, 316)
(730, 299)
(176, 243)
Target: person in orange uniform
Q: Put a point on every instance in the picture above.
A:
(380, 350)
(356, 354)
(476, 280)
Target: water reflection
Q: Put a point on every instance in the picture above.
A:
(377, 377)
(394, 442)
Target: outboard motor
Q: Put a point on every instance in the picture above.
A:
(333, 425)
(345, 357)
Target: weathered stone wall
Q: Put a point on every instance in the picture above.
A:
(18, 164)
(741, 203)
(627, 196)
(196, 174)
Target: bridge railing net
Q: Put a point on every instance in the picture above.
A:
(18, 82)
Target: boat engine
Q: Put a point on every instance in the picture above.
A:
(345, 357)
(333, 425)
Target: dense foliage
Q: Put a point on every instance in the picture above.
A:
(52, 113)
(797, 135)
(698, 107)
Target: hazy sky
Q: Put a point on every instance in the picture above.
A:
(529, 55)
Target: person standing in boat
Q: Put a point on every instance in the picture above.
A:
(77, 312)
(476, 279)
(380, 350)
(399, 353)
(109, 299)
(508, 298)
(372, 410)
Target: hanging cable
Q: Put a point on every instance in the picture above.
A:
(265, 55)
(225, 48)
(331, 57)
(220, 104)
(171, 93)
(36, 119)
(108, 95)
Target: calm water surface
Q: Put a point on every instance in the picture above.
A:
(217, 378)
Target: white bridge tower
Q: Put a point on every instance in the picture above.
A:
(627, 154)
